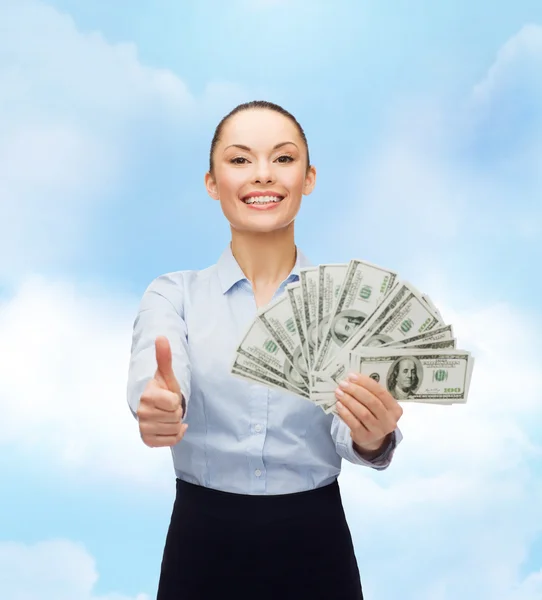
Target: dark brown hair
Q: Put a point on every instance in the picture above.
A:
(254, 104)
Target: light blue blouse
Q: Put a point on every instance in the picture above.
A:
(242, 437)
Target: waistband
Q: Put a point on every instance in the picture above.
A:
(321, 501)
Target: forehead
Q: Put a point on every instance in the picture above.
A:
(406, 363)
(259, 128)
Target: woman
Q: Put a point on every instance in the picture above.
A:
(258, 511)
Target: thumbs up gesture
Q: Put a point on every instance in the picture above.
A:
(160, 410)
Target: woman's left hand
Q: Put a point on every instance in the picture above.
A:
(368, 409)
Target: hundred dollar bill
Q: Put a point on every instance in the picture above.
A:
(247, 369)
(279, 321)
(295, 296)
(308, 277)
(260, 347)
(435, 345)
(403, 315)
(330, 408)
(364, 288)
(417, 375)
(437, 334)
(330, 280)
(431, 304)
(324, 390)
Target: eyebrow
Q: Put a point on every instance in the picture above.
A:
(243, 147)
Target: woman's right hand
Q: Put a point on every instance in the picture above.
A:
(160, 409)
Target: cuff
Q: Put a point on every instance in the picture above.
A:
(380, 462)
(383, 460)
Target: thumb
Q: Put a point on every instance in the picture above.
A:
(164, 371)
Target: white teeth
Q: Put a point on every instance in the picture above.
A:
(262, 199)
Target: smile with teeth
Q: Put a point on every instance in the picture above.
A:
(262, 199)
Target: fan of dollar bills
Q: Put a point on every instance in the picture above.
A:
(354, 317)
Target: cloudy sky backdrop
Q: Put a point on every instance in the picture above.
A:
(424, 121)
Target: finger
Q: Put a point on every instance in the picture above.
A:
(164, 364)
(149, 428)
(366, 398)
(158, 441)
(163, 399)
(360, 412)
(157, 415)
(375, 388)
(348, 417)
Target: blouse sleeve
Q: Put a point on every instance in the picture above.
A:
(344, 444)
(161, 312)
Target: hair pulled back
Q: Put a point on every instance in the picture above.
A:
(255, 104)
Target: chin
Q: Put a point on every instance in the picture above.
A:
(261, 222)
(264, 225)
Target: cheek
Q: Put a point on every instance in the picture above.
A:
(297, 180)
(230, 185)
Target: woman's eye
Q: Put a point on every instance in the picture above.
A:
(240, 160)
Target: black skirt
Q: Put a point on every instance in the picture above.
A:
(288, 546)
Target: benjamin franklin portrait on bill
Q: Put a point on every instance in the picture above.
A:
(404, 377)
(293, 376)
(378, 340)
(345, 324)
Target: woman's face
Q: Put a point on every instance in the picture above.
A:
(248, 160)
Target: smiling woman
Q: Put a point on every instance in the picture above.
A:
(259, 163)
(258, 511)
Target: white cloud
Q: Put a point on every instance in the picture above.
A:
(50, 570)
(72, 105)
(64, 355)
(68, 99)
(518, 60)
(444, 174)
(457, 512)
(458, 509)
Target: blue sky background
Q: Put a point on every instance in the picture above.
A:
(424, 121)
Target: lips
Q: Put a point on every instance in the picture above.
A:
(263, 197)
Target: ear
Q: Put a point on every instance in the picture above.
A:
(310, 181)
(211, 186)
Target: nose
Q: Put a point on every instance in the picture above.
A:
(263, 173)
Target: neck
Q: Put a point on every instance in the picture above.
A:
(266, 259)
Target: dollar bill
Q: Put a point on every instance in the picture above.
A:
(431, 305)
(324, 392)
(418, 375)
(280, 322)
(443, 344)
(353, 316)
(437, 334)
(260, 347)
(402, 316)
(308, 277)
(248, 369)
(330, 280)
(295, 296)
(364, 288)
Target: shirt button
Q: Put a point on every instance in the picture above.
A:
(258, 428)
(257, 472)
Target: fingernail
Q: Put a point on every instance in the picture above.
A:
(339, 392)
(352, 377)
(339, 405)
(344, 384)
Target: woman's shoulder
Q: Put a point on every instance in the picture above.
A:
(176, 284)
